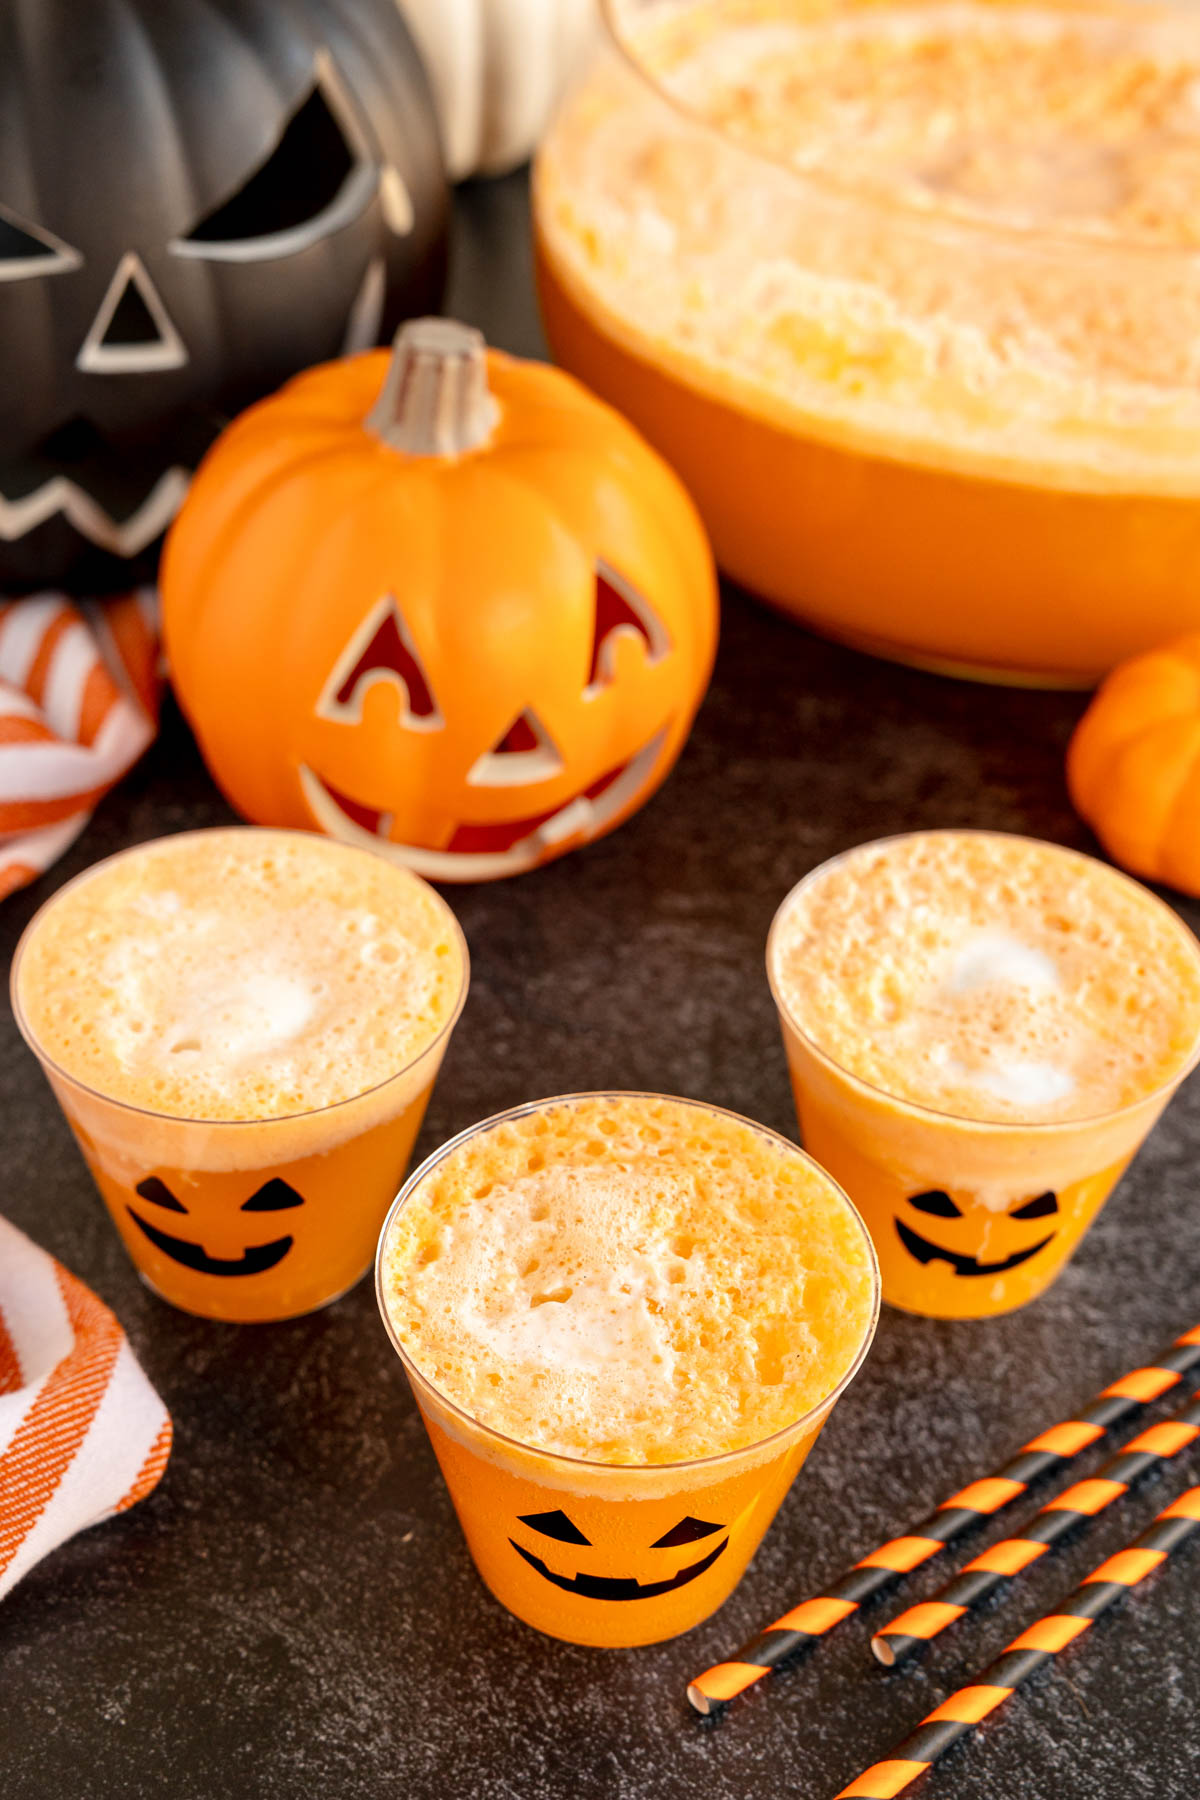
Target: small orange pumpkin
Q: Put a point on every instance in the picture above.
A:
(1133, 767)
(447, 605)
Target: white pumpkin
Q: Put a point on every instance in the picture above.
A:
(497, 68)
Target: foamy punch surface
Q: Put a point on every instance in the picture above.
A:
(834, 306)
(240, 974)
(988, 976)
(629, 1279)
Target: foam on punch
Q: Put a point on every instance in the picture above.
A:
(632, 1280)
(990, 977)
(239, 975)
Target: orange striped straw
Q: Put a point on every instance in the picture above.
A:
(963, 1711)
(1078, 1503)
(798, 1629)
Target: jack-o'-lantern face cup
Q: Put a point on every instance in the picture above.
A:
(614, 1553)
(598, 1554)
(270, 1213)
(973, 1216)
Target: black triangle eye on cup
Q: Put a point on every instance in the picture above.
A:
(1043, 1207)
(273, 1196)
(937, 1203)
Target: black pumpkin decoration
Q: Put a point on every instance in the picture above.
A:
(197, 199)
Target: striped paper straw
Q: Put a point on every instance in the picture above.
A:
(963, 1711)
(913, 1629)
(796, 1630)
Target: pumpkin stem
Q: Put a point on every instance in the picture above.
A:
(435, 400)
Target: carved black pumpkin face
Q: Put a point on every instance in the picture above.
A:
(1007, 1249)
(272, 1197)
(197, 199)
(649, 1585)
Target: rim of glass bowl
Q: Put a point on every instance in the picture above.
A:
(615, 19)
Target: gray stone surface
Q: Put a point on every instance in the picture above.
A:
(294, 1613)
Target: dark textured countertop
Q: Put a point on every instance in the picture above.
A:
(293, 1612)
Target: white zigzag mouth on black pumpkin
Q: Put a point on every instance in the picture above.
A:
(481, 851)
(59, 495)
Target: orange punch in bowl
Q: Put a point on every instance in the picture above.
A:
(930, 370)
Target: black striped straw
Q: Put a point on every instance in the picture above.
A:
(964, 1710)
(913, 1629)
(798, 1629)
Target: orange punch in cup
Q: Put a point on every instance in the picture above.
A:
(981, 1031)
(243, 1028)
(625, 1319)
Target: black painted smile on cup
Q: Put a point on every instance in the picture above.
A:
(618, 1587)
(925, 1252)
(256, 1259)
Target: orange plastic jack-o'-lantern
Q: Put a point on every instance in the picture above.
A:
(450, 607)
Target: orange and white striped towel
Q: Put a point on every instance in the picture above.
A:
(79, 695)
(83, 1435)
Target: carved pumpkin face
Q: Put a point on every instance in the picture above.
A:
(472, 662)
(521, 774)
(988, 1246)
(241, 193)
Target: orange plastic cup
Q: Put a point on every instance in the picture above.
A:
(917, 1175)
(248, 1220)
(623, 1565)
